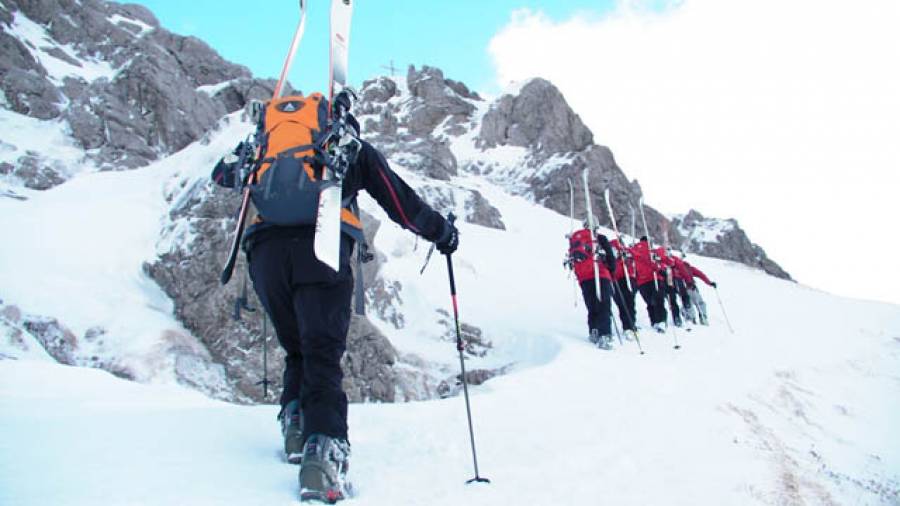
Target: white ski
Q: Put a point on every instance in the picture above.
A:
(327, 244)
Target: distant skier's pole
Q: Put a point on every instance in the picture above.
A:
(723, 309)
(637, 338)
(460, 346)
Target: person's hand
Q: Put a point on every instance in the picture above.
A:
(449, 239)
(714, 285)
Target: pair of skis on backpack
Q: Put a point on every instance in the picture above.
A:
(338, 144)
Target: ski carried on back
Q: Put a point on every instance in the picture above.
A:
(342, 144)
(245, 199)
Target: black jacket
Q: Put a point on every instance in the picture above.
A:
(370, 172)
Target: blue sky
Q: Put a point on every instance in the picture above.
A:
(451, 35)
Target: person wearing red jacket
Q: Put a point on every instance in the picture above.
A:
(584, 258)
(682, 277)
(694, 292)
(650, 284)
(622, 291)
(667, 265)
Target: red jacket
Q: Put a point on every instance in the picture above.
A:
(647, 268)
(698, 273)
(665, 265)
(581, 251)
(680, 270)
(624, 259)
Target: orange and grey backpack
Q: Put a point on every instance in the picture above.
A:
(288, 176)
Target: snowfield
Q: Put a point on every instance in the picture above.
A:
(801, 405)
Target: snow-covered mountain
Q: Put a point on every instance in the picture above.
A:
(118, 270)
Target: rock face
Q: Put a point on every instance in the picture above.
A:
(539, 118)
(130, 91)
(723, 239)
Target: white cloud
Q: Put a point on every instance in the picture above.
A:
(782, 114)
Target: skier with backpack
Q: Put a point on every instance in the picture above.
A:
(307, 301)
(683, 278)
(667, 264)
(650, 283)
(584, 259)
(302, 171)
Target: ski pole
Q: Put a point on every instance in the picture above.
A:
(265, 339)
(723, 309)
(627, 307)
(460, 346)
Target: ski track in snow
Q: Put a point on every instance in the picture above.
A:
(800, 406)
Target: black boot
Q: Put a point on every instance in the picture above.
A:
(292, 429)
(323, 472)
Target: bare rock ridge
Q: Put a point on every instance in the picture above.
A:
(130, 91)
(723, 239)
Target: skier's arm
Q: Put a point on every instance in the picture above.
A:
(398, 200)
(698, 273)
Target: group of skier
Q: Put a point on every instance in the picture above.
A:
(608, 271)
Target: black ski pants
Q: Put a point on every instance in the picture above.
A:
(309, 306)
(681, 286)
(599, 311)
(655, 301)
(624, 298)
(672, 295)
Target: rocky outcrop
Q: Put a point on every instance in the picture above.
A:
(149, 103)
(435, 100)
(723, 239)
(539, 118)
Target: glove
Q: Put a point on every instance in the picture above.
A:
(227, 171)
(713, 283)
(343, 101)
(449, 239)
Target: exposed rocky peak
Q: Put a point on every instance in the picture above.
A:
(435, 100)
(129, 90)
(537, 117)
(723, 239)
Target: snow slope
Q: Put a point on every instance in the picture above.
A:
(800, 406)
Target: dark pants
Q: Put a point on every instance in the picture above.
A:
(672, 295)
(309, 305)
(686, 309)
(655, 300)
(625, 301)
(598, 310)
